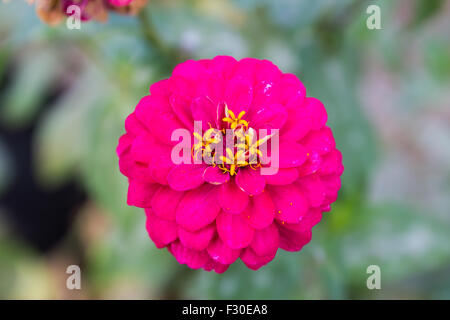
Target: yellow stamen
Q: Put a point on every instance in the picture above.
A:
(246, 148)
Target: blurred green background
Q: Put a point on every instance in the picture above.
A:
(64, 95)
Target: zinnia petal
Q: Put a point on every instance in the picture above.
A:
(192, 258)
(290, 203)
(271, 116)
(320, 141)
(261, 211)
(231, 198)
(165, 202)
(215, 176)
(234, 230)
(283, 176)
(307, 222)
(197, 208)
(253, 261)
(291, 155)
(291, 240)
(161, 231)
(250, 181)
(239, 94)
(154, 110)
(220, 252)
(265, 241)
(140, 193)
(186, 176)
(197, 240)
(313, 188)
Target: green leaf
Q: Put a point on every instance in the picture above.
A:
(34, 76)
(61, 136)
(425, 9)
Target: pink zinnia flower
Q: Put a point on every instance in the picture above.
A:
(208, 216)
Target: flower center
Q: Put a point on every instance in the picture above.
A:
(238, 140)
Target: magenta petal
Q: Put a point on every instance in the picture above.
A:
(315, 109)
(239, 94)
(192, 258)
(211, 88)
(165, 202)
(231, 198)
(282, 177)
(291, 154)
(260, 211)
(332, 184)
(133, 126)
(320, 141)
(182, 87)
(250, 181)
(253, 261)
(312, 218)
(214, 175)
(313, 188)
(171, 123)
(156, 155)
(145, 148)
(290, 203)
(125, 142)
(197, 240)
(148, 150)
(160, 173)
(222, 253)
(297, 125)
(311, 165)
(181, 106)
(216, 266)
(266, 94)
(198, 208)
(204, 110)
(161, 231)
(294, 92)
(186, 176)
(220, 268)
(190, 69)
(223, 65)
(267, 72)
(265, 241)
(246, 68)
(154, 110)
(331, 163)
(220, 114)
(133, 169)
(234, 230)
(140, 193)
(160, 88)
(269, 116)
(291, 240)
